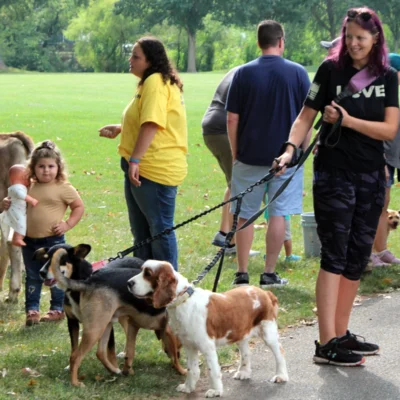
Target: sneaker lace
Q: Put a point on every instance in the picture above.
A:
(357, 337)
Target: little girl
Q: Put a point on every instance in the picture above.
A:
(46, 225)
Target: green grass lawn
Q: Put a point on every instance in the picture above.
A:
(69, 109)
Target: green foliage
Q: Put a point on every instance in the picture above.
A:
(390, 11)
(30, 33)
(207, 35)
(100, 36)
(302, 45)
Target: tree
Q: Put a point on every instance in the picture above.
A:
(28, 29)
(188, 14)
(100, 37)
(390, 12)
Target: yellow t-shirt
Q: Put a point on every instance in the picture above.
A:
(54, 198)
(165, 160)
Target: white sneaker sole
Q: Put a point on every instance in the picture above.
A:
(321, 360)
(274, 285)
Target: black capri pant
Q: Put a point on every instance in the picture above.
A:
(347, 207)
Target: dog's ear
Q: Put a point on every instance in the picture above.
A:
(165, 291)
(82, 250)
(41, 254)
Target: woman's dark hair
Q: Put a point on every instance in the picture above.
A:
(368, 20)
(156, 55)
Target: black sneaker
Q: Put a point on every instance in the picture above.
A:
(241, 279)
(332, 353)
(352, 342)
(271, 280)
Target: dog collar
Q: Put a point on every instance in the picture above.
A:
(182, 297)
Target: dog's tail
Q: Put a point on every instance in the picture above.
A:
(63, 282)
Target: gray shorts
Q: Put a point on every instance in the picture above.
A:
(288, 203)
(221, 149)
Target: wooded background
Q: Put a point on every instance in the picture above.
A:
(201, 35)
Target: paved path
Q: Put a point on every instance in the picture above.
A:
(378, 319)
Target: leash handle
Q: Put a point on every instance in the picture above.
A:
(337, 126)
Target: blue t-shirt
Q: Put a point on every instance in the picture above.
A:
(268, 94)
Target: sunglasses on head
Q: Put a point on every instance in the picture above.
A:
(365, 15)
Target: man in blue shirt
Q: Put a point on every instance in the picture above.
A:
(264, 99)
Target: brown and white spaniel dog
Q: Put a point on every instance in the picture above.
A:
(203, 320)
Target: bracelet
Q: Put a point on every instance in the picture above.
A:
(134, 160)
(291, 144)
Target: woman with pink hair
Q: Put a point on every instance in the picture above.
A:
(349, 175)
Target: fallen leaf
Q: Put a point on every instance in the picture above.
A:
(32, 382)
(26, 370)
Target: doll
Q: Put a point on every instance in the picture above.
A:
(15, 216)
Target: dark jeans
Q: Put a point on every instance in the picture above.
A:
(33, 281)
(347, 207)
(151, 209)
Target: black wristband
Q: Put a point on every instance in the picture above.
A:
(290, 144)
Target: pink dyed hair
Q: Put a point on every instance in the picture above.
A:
(378, 59)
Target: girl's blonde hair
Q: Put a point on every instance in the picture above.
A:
(46, 149)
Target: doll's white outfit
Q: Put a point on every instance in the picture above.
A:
(15, 216)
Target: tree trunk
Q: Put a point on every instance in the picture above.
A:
(2, 65)
(191, 52)
(331, 19)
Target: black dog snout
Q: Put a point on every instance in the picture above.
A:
(131, 284)
(43, 273)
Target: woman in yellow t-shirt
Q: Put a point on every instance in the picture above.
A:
(153, 149)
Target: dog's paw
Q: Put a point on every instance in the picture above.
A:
(183, 388)
(213, 393)
(79, 384)
(128, 371)
(279, 378)
(121, 355)
(11, 300)
(242, 375)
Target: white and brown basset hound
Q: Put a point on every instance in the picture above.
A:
(203, 320)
